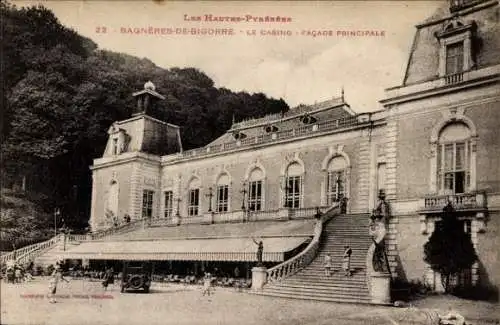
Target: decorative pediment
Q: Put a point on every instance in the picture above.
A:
(454, 26)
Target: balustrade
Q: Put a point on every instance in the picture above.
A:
(304, 258)
(196, 220)
(159, 222)
(263, 215)
(454, 78)
(226, 217)
(281, 135)
(25, 254)
(459, 201)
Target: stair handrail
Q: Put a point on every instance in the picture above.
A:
(304, 258)
(117, 230)
(19, 255)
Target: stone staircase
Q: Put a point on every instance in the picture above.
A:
(53, 254)
(312, 284)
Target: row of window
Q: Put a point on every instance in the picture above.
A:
(253, 196)
(454, 165)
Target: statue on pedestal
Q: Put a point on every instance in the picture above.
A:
(260, 250)
(377, 231)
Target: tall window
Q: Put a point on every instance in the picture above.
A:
(255, 190)
(194, 197)
(194, 202)
(292, 196)
(169, 204)
(255, 196)
(454, 159)
(222, 198)
(293, 186)
(222, 195)
(454, 58)
(336, 181)
(147, 203)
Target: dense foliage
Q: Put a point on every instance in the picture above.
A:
(449, 249)
(60, 93)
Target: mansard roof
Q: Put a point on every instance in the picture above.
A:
(296, 117)
(423, 63)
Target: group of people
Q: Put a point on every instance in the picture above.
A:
(16, 273)
(346, 262)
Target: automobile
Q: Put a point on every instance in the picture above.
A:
(136, 275)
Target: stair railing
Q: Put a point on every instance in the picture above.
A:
(304, 258)
(26, 253)
(134, 224)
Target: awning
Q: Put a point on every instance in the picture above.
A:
(214, 249)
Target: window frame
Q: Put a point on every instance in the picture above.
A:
(193, 207)
(254, 199)
(456, 58)
(168, 209)
(450, 173)
(295, 196)
(222, 204)
(147, 203)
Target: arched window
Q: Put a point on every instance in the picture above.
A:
(222, 194)
(194, 197)
(336, 180)
(454, 159)
(255, 190)
(293, 185)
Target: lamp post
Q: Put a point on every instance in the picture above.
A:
(209, 195)
(244, 192)
(57, 213)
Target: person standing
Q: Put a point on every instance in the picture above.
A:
(346, 260)
(328, 265)
(207, 284)
(109, 278)
(54, 279)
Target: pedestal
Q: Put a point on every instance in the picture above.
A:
(380, 287)
(259, 277)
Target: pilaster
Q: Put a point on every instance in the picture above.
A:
(391, 161)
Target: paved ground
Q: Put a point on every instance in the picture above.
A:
(82, 302)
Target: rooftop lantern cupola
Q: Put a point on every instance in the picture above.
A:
(146, 99)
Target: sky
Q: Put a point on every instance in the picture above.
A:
(299, 67)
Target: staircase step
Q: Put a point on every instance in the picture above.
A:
(315, 295)
(329, 299)
(321, 285)
(311, 283)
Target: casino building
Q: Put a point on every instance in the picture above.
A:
(306, 182)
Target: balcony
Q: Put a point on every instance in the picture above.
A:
(324, 126)
(463, 202)
(240, 216)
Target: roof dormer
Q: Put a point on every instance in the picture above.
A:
(117, 141)
(456, 54)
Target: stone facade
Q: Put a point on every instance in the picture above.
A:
(441, 128)
(436, 116)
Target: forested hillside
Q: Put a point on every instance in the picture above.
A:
(60, 93)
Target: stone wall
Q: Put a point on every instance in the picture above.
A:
(311, 153)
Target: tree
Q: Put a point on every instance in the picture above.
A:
(449, 249)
